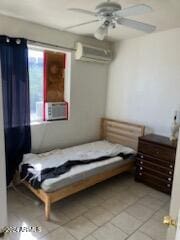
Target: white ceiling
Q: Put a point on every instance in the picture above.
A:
(54, 13)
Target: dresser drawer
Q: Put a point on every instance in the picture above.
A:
(157, 151)
(154, 166)
(154, 182)
(154, 172)
(167, 164)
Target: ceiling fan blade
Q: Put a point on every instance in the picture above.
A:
(79, 10)
(136, 25)
(81, 24)
(133, 11)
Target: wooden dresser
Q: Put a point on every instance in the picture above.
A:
(155, 162)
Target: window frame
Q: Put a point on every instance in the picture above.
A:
(67, 82)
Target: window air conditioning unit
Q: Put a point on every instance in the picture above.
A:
(56, 111)
(92, 54)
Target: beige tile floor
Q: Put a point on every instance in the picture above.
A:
(116, 209)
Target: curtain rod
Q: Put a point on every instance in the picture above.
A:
(49, 45)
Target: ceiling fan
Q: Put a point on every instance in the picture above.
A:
(112, 14)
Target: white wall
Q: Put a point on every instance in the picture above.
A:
(88, 89)
(88, 97)
(144, 80)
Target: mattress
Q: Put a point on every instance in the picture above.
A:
(84, 152)
(81, 172)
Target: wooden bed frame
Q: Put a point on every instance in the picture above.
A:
(114, 131)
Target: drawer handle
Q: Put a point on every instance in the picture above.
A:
(168, 185)
(171, 166)
(141, 162)
(141, 168)
(170, 172)
(140, 174)
(142, 156)
(169, 179)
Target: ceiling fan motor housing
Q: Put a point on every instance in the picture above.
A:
(106, 9)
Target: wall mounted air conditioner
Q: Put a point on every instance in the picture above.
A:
(56, 111)
(89, 53)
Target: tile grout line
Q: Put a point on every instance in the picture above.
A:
(109, 221)
(93, 222)
(144, 224)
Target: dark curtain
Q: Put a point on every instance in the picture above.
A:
(16, 106)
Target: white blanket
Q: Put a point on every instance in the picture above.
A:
(83, 152)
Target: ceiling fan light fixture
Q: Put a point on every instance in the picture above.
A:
(101, 33)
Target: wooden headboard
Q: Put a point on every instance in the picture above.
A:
(123, 133)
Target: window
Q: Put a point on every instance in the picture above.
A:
(49, 82)
(36, 80)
